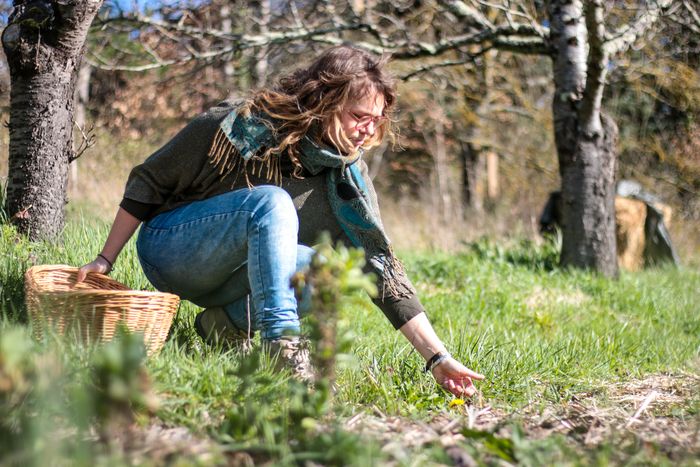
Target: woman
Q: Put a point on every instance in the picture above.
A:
(232, 202)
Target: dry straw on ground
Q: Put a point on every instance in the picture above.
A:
(654, 409)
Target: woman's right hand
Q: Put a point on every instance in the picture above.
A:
(99, 265)
(456, 378)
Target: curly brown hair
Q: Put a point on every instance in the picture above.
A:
(310, 99)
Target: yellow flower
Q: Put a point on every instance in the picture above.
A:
(455, 402)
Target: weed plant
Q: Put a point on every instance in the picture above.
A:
(541, 336)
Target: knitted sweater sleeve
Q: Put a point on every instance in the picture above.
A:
(170, 171)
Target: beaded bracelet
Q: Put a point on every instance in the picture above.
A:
(435, 360)
(111, 266)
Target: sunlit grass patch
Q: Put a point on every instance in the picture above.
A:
(551, 343)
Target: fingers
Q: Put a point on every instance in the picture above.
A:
(460, 386)
(463, 371)
(474, 375)
(454, 368)
(94, 266)
(460, 389)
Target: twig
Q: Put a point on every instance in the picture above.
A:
(447, 428)
(354, 419)
(473, 414)
(87, 141)
(448, 63)
(647, 400)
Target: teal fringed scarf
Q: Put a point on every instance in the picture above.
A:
(239, 147)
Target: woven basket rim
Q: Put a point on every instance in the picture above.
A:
(62, 267)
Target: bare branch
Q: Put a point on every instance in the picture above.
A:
(467, 13)
(623, 38)
(693, 12)
(680, 21)
(522, 38)
(505, 38)
(505, 8)
(87, 140)
(447, 63)
(237, 42)
(295, 13)
(244, 40)
(104, 64)
(474, 16)
(692, 22)
(334, 40)
(523, 45)
(595, 68)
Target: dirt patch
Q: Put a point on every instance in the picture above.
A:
(659, 409)
(157, 444)
(396, 435)
(443, 429)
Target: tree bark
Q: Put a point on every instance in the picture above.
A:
(44, 43)
(585, 140)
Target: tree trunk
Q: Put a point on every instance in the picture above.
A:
(82, 94)
(441, 173)
(81, 98)
(261, 59)
(226, 27)
(44, 44)
(587, 169)
(471, 149)
(493, 189)
(585, 143)
(469, 157)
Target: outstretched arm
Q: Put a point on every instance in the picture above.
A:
(449, 373)
(122, 229)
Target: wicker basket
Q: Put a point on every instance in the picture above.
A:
(92, 309)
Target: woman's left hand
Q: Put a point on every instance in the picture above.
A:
(456, 378)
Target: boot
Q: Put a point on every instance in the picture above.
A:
(292, 352)
(215, 328)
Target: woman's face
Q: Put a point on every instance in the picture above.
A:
(359, 120)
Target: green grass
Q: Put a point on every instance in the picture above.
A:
(540, 335)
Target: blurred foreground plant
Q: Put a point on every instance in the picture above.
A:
(121, 388)
(40, 423)
(54, 395)
(286, 419)
(333, 274)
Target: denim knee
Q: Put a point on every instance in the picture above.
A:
(276, 206)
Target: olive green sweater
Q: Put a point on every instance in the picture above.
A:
(180, 172)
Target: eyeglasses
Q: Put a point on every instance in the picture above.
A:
(363, 121)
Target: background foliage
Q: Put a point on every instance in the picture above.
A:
(492, 102)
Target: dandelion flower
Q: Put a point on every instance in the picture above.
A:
(456, 402)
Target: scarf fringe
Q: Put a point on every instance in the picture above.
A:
(393, 272)
(225, 157)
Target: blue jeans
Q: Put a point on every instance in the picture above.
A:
(216, 251)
